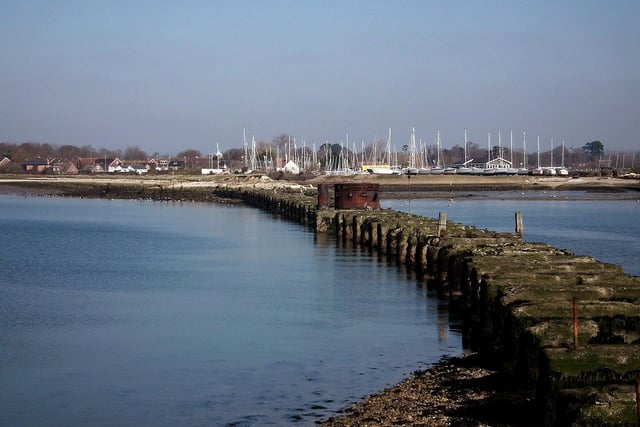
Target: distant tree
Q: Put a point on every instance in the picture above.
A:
(281, 141)
(189, 154)
(376, 152)
(47, 150)
(454, 155)
(594, 150)
(68, 151)
(234, 154)
(134, 153)
(7, 149)
(475, 152)
(27, 151)
(285, 145)
(112, 154)
(332, 156)
(87, 151)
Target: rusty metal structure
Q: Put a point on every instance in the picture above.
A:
(357, 196)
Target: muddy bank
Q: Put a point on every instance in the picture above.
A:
(399, 183)
(460, 391)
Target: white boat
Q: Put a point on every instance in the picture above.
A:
(562, 171)
(383, 168)
(379, 169)
(464, 168)
(450, 170)
(499, 165)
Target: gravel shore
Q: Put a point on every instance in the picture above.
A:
(462, 391)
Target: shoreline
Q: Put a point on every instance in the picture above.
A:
(461, 391)
(464, 390)
(399, 184)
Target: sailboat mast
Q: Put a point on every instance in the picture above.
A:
(465, 147)
(524, 148)
(253, 153)
(244, 145)
(389, 148)
(412, 158)
(511, 145)
(438, 147)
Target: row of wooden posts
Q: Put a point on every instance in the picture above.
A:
(418, 243)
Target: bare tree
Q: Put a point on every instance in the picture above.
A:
(134, 153)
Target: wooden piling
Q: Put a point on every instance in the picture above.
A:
(519, 227)
(442, 224)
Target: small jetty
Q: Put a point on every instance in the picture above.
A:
(565, 325)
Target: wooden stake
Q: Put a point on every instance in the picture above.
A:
(519, 227)
(442, 224)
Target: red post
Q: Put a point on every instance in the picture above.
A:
(575, 322)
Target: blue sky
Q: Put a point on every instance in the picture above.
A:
(171, 75)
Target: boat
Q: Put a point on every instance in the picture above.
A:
(464, 168)
(382, 168)
(538, 170)
(510, 170)
(562, 171)
(523, 170)
(450, 170)
(499, 165)
(437, 168)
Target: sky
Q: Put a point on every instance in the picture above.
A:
(167, 76)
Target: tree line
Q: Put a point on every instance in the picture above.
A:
(284, 146)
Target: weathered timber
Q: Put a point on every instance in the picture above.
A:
(518, 302)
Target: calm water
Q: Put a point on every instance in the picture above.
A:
(606, 227)
(146, 313)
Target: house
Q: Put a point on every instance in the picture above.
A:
(140, 169)
(35, 165)
(62, 166)
(67, 167)
(161, 164)
(5, 162)
(499, 166)
(89, 165)
(98, 164)
(176, 164)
